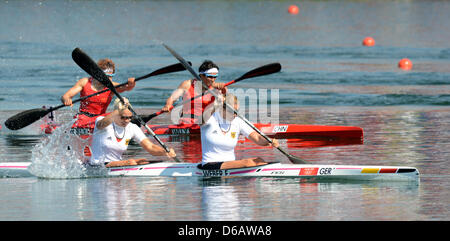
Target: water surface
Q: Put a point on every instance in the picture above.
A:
(327, 78)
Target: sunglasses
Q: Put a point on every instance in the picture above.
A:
(211, 75)
(225, 108)
(126, 117)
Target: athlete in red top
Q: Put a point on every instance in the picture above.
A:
(192, 111)
(95, 106)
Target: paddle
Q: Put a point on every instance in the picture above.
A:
(292, 158)
(88, 65)
(260, 71)
(28, 117)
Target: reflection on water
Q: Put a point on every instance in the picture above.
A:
(17, 147)
(160, 198)
(392, 136)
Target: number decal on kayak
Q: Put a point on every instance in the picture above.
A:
(179, 131)
(277, 129)
(215, 173)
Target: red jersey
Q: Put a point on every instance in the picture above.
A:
(194, 109)
(95, 105)
(92, 107)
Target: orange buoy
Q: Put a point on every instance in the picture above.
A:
(369, 41)
(293, 9)
(405, 64)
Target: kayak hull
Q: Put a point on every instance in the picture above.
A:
(279, 170)
(272, 130)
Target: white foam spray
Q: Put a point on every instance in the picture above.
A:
(61, 155)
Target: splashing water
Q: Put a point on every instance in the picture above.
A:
(61, 155)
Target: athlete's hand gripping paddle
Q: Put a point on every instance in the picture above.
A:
(292, 158)
(88, 65)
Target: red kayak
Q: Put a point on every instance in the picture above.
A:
(283, 131)
(273, 130)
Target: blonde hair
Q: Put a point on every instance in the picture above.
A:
(231, 99)
(118, 105)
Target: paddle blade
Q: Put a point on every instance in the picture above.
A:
(293, 159)
(87, 64)
(182, 61)
(151, 116)
(263, 70)
(296, 160)
(168, 69)
(25, 118)
(145, 118)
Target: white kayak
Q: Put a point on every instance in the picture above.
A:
(307, 171)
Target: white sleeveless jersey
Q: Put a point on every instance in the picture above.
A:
(219, 138)
(110, 143)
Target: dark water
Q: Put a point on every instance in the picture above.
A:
(327, 78)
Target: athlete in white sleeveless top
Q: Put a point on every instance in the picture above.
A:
(113, 133)
(220, 133)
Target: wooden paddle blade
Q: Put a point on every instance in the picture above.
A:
(263, 70)
(87, 64)
(25, 118)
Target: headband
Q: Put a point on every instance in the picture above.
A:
(109, 70)
(213, 72)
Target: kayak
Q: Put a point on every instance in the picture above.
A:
(276, 169)
(283, 131)
(272, 130)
